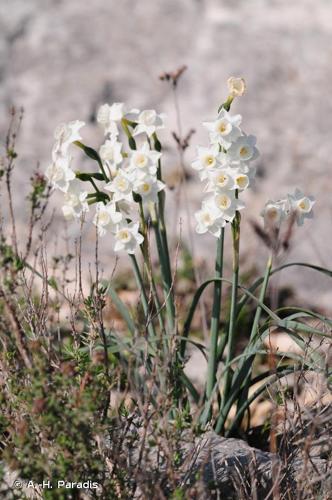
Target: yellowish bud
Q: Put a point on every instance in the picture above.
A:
(236, 86)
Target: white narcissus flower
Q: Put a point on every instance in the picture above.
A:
(110, 153)
(301, 205)
(148, 188)
(121, 186)
(220, 180)
(106, 217)
(225, 179)
(209, 220)
(75, 201)
(108, 116)
(225, 129)
(207, 161)
(243, 149)
(127, 237)
(65, 134)
(148, 121)
(227, 204)
(60, 174)
(274, 212)
(242, 180)
(144, 161)
(225, 165)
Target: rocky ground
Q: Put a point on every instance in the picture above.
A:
(60, 59)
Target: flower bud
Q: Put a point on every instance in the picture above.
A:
(236, 86)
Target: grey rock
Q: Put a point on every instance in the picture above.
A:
(230, 467)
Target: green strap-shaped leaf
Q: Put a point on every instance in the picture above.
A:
(192, 309)
(190, 387)
(279, 373)
(122, 309)
(304, 313)
(244, 299)
(259, 281)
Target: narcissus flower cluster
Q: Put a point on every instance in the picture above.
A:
(225, 166)
(127, 181)
(129, 178)
(296, 205)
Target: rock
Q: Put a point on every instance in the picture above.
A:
(230, 466)
(233, 469)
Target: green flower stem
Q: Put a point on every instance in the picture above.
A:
(227, 104)
(157, 143)
(142, 219)
(221, 346)
(157, 303)
(165, 272)
(145, 304)
(100, 163)
(161, 211)
(97, 195)
(167, 284)
(94, 185)
(163, 234)
(214, 332)
(162, 245)
(148, 269)
(261, 298)
(232, 320)
(253, 336)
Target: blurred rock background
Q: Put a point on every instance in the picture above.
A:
(60, 59)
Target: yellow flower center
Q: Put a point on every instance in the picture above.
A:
(207, 218)
(304, 204)
(223, 202)
(103, 218)
(222, 127)
(242, 181)
(141, 160)
(244, 151)
(145, 187)
(272, 213)
(210, 161)
(222, 179)
(122, 184)
(123, 235)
